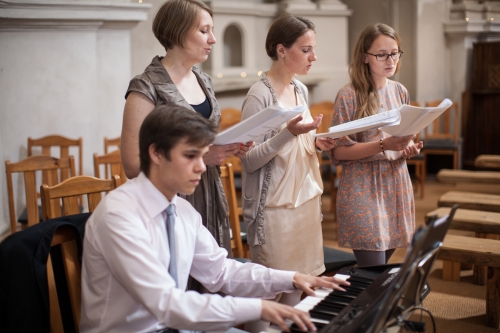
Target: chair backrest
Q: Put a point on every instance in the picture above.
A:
(115, 142)
(65, 237)
(326, 109)
(69, 190)
(112, 165)
(442, 126)
(229, 117)
(47, 142)
(53, 171)
(234, 220)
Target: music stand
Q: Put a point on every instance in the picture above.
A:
(405, 289)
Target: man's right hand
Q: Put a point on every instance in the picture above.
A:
(277, 313)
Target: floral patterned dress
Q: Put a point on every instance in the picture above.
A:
(375, 207)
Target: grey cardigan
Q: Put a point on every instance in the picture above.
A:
(257, 164)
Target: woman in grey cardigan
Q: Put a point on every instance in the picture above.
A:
(282, 184)
(184, 28)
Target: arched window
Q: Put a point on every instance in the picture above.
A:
(233, 51)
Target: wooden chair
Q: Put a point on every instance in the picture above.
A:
(229, 117)
(47, 142)
(53, 171)
(69, 191)
(234, 219)
(444, 137)
(111, 143)
(326, 109)
(112, 165)
(65, 237)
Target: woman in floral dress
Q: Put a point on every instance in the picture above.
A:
(375, 207)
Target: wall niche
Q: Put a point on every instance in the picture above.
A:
(233, 47)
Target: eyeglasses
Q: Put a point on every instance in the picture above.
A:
(385, 56)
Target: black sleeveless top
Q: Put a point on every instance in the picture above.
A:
(204, 108)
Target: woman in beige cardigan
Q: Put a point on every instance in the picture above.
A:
(282, 184)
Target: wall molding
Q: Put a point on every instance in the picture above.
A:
(70, 15)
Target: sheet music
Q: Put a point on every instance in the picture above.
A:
(415, 119)
(390, 117)
(405, 120)
(257, 125)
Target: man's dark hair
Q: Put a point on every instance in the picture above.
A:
(167, 125)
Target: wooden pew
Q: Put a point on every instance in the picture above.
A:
(476, 251)
(487, 162)
(484, 224)
(465, 176)
(471, 200)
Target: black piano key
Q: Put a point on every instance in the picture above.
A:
(356, 285)
(347, 295)
(360, 279)
(295, 329)
(334, 303)
(327, 311)
(333, 310)
(321, 315)
(339, 297)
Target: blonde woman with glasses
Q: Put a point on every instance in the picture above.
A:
(375, 207)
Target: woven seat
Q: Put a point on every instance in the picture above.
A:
(441, 144)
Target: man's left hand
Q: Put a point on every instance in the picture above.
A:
(306, 283)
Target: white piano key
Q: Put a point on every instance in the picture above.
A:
(308, 303)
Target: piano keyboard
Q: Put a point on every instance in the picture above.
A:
(330, 310)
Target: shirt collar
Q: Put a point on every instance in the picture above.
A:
(153, 201)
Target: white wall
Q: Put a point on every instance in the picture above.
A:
(432, 54)
(144, 44)
(62, 75)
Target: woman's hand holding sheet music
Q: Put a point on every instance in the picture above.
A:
(324, 144)
(244, 148)
(397, 143)
(413, 149)
(217, 154)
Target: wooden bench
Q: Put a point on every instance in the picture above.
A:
(484, 224)
(465, 176)
(476, 251)
(471, 200)
(487, 162)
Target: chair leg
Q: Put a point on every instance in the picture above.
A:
(422, 179)
(455, 160)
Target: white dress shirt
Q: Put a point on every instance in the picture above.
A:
(125, 282)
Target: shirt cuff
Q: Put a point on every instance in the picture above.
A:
(282, 280)
(248, 309)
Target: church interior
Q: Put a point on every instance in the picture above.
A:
(65, 66)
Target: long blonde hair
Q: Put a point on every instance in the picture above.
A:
(366, 93)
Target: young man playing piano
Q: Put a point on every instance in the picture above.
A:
(139, 251)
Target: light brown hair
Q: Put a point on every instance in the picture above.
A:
(175, 19)
(366, 92)
(285, 30)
